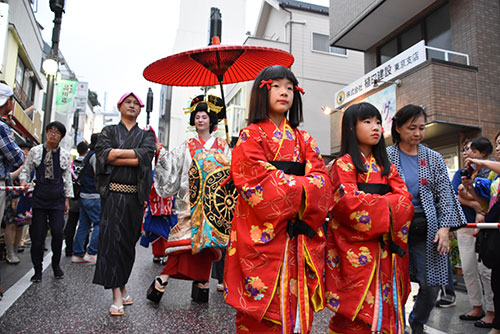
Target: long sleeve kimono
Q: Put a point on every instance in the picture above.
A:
(172, 178)
(366, 285)
(269, 275)
(122, 208)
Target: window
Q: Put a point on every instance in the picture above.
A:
(434, 29)
(320, 43)
(20, 72)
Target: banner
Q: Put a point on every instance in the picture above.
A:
(65, 97)
(385, 101)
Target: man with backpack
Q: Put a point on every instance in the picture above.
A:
(90, 210)
(74, 206)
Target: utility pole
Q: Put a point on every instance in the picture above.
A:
(149, 105)
(56, 6)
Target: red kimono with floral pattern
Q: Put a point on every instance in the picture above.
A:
(367, 285)
(269, 276)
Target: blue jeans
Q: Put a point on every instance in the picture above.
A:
(426, 297)
(90, 216)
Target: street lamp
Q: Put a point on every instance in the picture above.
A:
(50, 68)
(329, 111)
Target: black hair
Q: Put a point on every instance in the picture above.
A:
(25, 145)
(82, 147)
(58, 126)
(482, 144)
(203, 106)
(403, 115)
(93, 140)
(349, 141)
(259, 99)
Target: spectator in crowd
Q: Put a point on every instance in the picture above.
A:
(11, 156)
(477, 276)
(13, 227)
(492, 216)
(90, 209)
(53, 189)
(74, 205)
(436, 209)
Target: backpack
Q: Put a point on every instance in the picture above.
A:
(76, 167)
(488, 240)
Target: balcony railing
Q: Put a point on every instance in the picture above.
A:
(447, 53)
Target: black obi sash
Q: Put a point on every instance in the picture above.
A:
(299, 226)
(382, 189)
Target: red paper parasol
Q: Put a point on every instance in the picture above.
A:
(215, 64)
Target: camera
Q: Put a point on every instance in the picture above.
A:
(467, 172)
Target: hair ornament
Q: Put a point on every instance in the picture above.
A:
(266, 82)
(297, 88)
(210, 102)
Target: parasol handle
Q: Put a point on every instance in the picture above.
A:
(220, 78)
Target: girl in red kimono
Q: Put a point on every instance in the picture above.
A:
(367, 280)
(275, 257)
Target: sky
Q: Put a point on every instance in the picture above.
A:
(109, 43)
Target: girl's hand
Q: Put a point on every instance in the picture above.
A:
(443, 241)
(478, 162)
(467, 182)
(158, 146)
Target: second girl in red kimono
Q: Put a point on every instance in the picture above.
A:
(367, 280)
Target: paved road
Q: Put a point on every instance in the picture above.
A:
(75, 305)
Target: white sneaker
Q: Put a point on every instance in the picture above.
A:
(77, 259)
(91, 259)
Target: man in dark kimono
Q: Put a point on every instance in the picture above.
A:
(123, 174)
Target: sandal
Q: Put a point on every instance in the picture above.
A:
(116, 310)
(199, 293)
(127, 300)
(155, 294)
(483, 324)
(469, 317)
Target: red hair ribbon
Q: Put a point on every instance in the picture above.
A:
(299, 89)
(266, 82)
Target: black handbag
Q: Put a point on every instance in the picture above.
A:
(418, 227)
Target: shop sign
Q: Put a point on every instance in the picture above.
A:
(82, 93)
(392, 68)
(65, 98)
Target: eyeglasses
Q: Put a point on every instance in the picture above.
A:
(53, 132)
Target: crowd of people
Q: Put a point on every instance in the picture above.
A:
(390, 212)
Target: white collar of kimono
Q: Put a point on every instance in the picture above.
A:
(209, 142)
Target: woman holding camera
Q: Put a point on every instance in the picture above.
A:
(436, 209)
